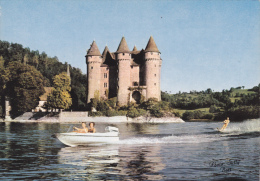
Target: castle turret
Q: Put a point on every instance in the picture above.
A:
(152, 70)
(93, 60)
(123, 58)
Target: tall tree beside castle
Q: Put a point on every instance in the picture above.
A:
(23, 86)
(128, 75)
(60, 97)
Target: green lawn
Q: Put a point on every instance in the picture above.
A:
(181, 111)
(241, 91)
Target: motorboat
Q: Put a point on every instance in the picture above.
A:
(73, 139)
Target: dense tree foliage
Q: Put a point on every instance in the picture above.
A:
(48, 66)
(23, 86)
(60, 97)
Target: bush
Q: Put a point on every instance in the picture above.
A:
(156, 111)
(133, 112)
(213, 109)
(111, 113)
(208, 116)
(96, 114)
(177, 114)
(188, 115)
(198, 114)
(102, 106)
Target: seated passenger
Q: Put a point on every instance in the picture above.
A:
(83, 130)
(92, 129)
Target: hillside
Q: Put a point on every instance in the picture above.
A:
(48, 67)
(237, 102)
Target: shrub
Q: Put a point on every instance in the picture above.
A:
(177, 114)
(133, 112)
(213, 109)
(208, 116)
(188, 115)
(156, 111)
(96, 114)
(198, 114)
(111, 113)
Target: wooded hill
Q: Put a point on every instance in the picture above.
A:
(237, 103)
(11, 53)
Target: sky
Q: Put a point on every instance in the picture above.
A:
(204, 44)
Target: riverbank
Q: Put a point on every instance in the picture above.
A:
(76, 117)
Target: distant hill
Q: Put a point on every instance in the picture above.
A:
(237, 102)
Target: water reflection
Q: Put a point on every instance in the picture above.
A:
(28, 152)
(115, 162)
(24, 148)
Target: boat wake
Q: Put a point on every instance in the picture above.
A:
(252, 125)
(184, 139)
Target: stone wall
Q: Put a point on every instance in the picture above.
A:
(73, 116)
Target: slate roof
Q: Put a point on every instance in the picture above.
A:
(123, 48)
(93, 51)
(151, 46)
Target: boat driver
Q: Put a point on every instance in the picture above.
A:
(84, 128)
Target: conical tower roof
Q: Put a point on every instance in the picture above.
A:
(151, 46)
(105, 52)
(135, 49)
(123, 48)
(93, 51)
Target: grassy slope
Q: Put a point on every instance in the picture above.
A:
(206, 110)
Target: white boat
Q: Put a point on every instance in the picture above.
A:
(75, 139)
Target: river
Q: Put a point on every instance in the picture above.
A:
(195, 151)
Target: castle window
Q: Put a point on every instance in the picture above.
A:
(105, 84)
(132, 67)
(151, 53)
(123, 54)
(154, 83)
(91, 67)
(155, 75)
(105, 75)
(155, 65)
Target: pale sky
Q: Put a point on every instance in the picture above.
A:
(204, 44)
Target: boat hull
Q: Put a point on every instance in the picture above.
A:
(76, 139)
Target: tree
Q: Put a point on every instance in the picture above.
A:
(60, 97)
(24, 86)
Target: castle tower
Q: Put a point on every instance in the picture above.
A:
(93, 60)
(152, 70)
(123, 58)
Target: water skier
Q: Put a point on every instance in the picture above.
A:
(226, 122)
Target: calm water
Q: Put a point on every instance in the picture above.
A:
(196, 151)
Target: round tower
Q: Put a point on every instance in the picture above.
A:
(152, 70)
(93, 60)
(123, 58)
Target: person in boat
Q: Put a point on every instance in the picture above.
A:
(226, 122)
(91, 127)
(84, 128)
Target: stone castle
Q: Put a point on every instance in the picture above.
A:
(130, 76)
